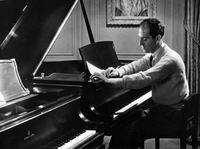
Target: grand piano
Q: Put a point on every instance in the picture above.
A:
(64, 109)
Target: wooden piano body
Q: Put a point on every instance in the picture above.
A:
(63, 105)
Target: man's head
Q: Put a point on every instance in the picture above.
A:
(150, 33)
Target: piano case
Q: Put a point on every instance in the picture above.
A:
(38, 109)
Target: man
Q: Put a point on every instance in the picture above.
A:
(162, 69)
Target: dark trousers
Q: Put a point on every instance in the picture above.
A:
(133, 132)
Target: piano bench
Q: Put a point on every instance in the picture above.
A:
(189, 128)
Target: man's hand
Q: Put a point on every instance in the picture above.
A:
(110, 73)
(98, 76)
(110, 82)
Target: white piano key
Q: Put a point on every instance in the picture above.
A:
(136, 102)
(78, 140)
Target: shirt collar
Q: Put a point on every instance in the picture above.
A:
(157, 52)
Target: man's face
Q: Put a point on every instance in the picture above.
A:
(147, 43)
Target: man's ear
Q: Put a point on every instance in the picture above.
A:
(158, 37)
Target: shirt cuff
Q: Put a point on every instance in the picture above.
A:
(120, 72)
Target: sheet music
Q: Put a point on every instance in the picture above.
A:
(11, 86)
(92, 68)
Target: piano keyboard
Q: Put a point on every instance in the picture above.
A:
(78, 140)
(137, 102)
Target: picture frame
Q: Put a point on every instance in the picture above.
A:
(129, 12)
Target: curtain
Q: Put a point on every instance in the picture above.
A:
(192, 45)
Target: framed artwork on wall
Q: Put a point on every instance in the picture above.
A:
(129, 12)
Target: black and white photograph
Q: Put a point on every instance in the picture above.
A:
(99, 74)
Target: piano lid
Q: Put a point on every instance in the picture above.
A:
(34, 33)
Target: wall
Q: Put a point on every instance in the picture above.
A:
(74, 33)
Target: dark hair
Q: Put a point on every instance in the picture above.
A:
(155, 27)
